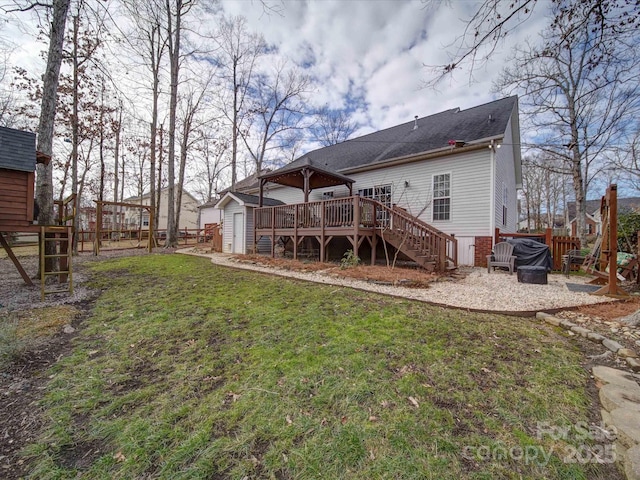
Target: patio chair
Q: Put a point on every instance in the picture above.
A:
(572, 257)
(502, 257)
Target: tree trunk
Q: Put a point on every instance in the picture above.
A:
(155, 51)
(44, 186)
(174, 54)
(159, 188)
(116, 218)
(44, 173)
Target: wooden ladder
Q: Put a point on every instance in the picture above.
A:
(60, 237)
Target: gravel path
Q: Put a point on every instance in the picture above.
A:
(478, 290)
(495, 292)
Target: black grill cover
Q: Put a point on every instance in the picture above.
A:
(531, 252)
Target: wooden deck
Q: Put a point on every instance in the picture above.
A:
(358, 220)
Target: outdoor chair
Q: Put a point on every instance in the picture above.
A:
(572, 257)
(502, 257)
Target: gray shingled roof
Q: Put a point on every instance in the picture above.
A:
(254, 199)
(593, 206)
(17, 150)
(433, 133)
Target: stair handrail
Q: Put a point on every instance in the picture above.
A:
(448, 243)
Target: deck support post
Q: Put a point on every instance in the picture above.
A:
(273, 233)
(322, 220)
(356, 223)
(374, 244)
(295, 232)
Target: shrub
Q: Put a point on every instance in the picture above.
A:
(10, 345)
(349, 259)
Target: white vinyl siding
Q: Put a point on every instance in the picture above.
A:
(505, 193)
(411, 189)
(227, 228)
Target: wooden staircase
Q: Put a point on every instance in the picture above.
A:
(429, 247)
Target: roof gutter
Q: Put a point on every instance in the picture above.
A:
(439, 153)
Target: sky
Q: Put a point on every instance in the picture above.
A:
(368, 56)
(371, 55)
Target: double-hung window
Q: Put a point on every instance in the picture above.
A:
(382, 194)
(442, 197)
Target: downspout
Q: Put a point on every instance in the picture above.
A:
(492, 191)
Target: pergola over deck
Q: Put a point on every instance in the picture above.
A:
(354, 218)
(305, 177)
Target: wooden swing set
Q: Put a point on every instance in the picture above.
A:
(605, 251)
(99, 231)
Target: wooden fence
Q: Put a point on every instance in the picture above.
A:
(558, 245)
(121, 239)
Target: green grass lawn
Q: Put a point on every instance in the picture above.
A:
(186, 370)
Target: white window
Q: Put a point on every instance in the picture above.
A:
(382, 194)
(327, 195)
(442, 197)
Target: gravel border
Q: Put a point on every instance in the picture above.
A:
(480, 291)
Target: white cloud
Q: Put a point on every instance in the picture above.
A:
(375, 52)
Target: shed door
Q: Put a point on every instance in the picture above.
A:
(238, 233)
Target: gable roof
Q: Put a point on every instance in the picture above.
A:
(247, 200)
(148, 194)
(593, 206)
(246, 184)
(426, 134)
(17, 150)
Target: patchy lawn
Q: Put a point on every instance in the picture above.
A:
(188, 370)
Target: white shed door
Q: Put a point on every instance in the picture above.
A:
(238, 233)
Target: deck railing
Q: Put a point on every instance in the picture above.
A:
(337, 212)
(422, 236)
(358, 212)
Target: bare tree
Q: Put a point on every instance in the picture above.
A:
(191, 122)
(333, 126)
(278, 109)
(543, 192)
(238, 52)
(494, 20)
(626, 159)
(174, 36)
(149, 39)
(44, 183)
(212, 149)
(578, 93)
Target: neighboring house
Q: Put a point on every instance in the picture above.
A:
(135, 218)
(594, 221)
(237, 232)
(457, 171)
(209, 213)
(87, 218)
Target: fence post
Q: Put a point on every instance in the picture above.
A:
(496, 236)
(548, 236)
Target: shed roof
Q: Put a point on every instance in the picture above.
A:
(17, 150)
(246, 199)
